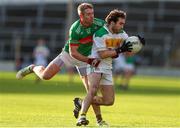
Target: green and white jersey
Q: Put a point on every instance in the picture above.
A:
(130, 59)
(104, 40)
(83, 36)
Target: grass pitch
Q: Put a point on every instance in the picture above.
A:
(149, 102)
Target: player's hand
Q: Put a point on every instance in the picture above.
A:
(116, 56)
(126, 47)
(93, 62)
(141, 39)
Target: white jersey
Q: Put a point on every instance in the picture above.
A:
(41, 54)
(104, 40)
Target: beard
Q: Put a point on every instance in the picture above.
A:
(88, 22)
(115, 30)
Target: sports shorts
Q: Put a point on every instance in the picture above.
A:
(65, 59)
(106, 77)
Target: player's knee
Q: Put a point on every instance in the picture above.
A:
(109, 102)
(45, 77)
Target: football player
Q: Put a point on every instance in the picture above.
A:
(75, 53)
(108, 43)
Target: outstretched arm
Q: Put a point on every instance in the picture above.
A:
(107, 53)
(126, 47)
(75, 54)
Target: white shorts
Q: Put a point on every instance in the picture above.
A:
(124, 67)
(106, 78)
(65, 59)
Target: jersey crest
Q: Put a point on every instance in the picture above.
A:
(113, 42)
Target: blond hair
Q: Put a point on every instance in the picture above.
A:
(83, 7)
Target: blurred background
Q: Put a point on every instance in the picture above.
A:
(23, 22)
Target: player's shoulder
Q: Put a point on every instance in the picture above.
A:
(75, 27)
(98, 22)
(75, 24)
(123, 32)
(101, 32)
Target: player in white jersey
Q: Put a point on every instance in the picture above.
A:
(41, 53)
(108, 43)
(124, 66)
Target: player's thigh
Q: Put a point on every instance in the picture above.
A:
(94, 78)
(107, 92)
(66, 58)
(107, 88)
(84, 74)
(54, 66)
(51, 70)
(94, 81)
(94, 75)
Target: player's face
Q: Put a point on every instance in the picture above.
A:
(87, 17)
(118, 25)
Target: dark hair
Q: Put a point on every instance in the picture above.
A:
(114, 15)
(83, 7)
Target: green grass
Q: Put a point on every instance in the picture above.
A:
(149, 102)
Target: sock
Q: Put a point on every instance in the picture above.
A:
(99, 118)
(83, 115)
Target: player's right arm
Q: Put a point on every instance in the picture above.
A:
(74, 53)
(73, 50)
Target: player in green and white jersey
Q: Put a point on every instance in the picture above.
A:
(75, 53)
(108, 43)
(124, 66)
